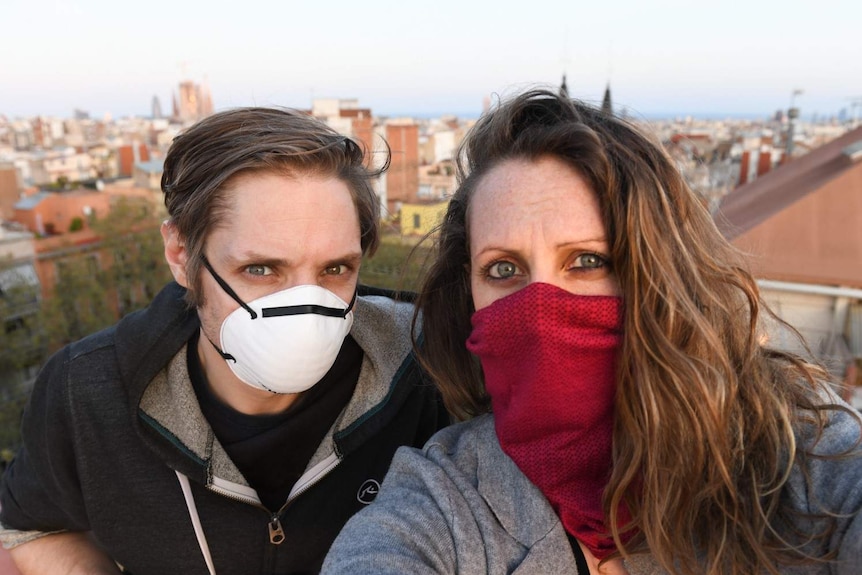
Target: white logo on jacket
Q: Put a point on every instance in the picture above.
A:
(368, 491)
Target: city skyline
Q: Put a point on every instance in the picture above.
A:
(667, 58)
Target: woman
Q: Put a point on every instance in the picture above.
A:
(637, 424)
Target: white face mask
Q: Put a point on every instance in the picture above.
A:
(284, 342)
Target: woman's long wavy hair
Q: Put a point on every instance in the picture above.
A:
(705, 414)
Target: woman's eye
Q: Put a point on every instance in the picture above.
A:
(335, 270)
(502, 270)
(590, 261)
(258, 270)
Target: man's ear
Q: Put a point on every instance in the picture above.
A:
(175, 252)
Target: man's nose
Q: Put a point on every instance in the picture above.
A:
(303, 277)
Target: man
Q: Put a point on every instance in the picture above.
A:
(234, 425)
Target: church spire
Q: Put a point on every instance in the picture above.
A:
(607, 107)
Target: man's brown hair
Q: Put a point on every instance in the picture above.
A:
(202, 161)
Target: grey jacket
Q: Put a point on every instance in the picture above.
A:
(460, 505)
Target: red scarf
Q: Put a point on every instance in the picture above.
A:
(549, 359)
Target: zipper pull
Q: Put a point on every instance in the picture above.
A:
(276, 533)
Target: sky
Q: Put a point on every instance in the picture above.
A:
(431, 57)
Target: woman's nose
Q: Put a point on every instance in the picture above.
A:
(546, 274)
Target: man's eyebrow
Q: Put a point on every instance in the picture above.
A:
(251, 257)
(351, 258)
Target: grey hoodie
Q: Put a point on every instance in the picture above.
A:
(461, 505)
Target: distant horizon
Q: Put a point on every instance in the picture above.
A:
(426, 116)
(389, 107)
(462, 114)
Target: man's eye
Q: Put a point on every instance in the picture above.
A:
(258, 270)
(590, 261)
(335, 270)
(502, 270)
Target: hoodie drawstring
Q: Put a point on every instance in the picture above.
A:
(196, 521)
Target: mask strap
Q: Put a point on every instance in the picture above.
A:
(227, 288)
(352, 301)
(225, 356)
(309, 308)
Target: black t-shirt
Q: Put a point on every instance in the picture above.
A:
(272, 451)
(580, 558)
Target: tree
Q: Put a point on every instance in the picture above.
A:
(20, 350)
(76, 224)
(398, 264)
(107, 280)
(79, 302)
(96, 285)
(19, 306)
(134, 244)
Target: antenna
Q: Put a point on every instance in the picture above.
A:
(855, 102)
(610, 61)
(792, 114)
(793, 94)
(565, 60)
